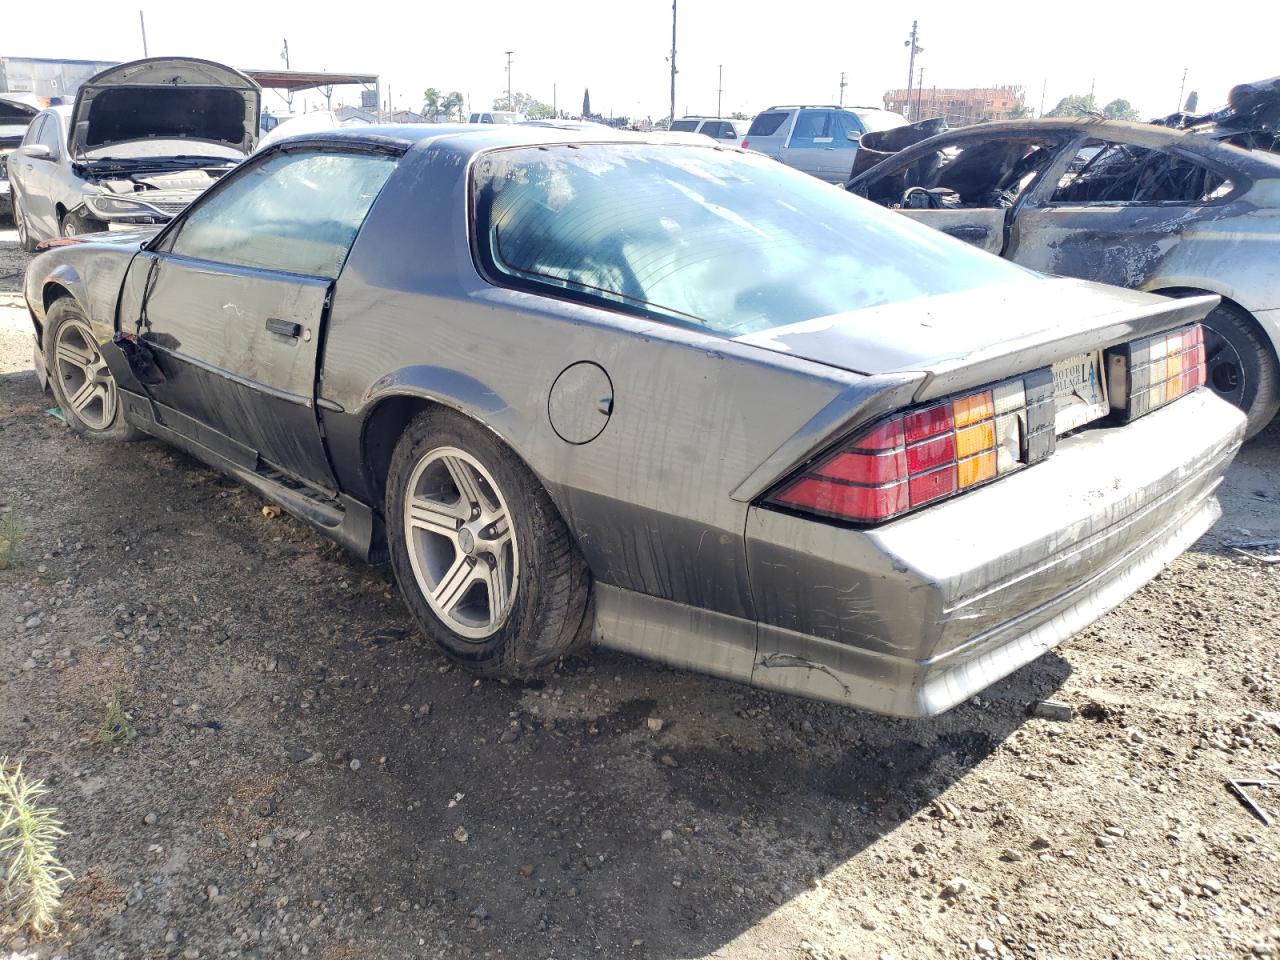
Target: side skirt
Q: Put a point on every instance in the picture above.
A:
(354, 525)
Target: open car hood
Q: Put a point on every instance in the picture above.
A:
(166, 99)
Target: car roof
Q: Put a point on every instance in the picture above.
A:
(1255, 163)
(473, 138)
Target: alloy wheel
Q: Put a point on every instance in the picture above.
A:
(87, 383)
(461, 542)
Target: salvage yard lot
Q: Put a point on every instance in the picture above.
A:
(309, 777)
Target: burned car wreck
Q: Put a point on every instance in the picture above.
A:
(1143, 206)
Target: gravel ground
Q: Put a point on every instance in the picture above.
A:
(309, 779)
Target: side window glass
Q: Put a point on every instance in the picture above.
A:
(768, 124)
(1111, 173)
(49, 136)
(33, 131)
(296, 212)
(813, 129)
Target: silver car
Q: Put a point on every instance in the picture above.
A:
(141, 142)
(15, 118)
(740, 423)
(820, 140)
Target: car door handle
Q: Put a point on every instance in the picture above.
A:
(969, 234)
(286, 328)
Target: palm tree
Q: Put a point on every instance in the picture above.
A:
(452, 104)
(431, 104)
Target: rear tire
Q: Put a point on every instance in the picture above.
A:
(25, 240)
(1241, 365)
(484, 561)
(81, 382)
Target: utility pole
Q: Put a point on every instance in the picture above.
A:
(911, 63)
(1093, 84)
(919, 94)
(555, 110)
(672, 118)
(142, 22)
(285, 57)
(719, 91)
(510, 103)
(1181, 90)
(843, 84)
(1043, 90)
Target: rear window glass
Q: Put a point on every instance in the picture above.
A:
(767, 124)
(699, 237)
(685, 126)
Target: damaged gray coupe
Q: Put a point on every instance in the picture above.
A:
(1170, 211)
(678, 399)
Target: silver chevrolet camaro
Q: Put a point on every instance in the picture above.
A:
(670, 396)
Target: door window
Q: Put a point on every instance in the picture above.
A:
(296, 211)
(1113, 173)
(33, 131)
(814, 128)
(48, 135)
(767, 124)
(973, 173)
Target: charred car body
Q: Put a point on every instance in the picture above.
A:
(141, 142)
(1136, 205)
(742, 423)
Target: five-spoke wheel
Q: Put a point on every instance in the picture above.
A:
(83, 375)
(461, 544)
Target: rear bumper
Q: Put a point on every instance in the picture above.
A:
(913, 617)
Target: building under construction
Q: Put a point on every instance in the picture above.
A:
(960, 107)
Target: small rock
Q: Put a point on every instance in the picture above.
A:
(1104, 842)
(985, 946)
(1051, 710)
(654, 724)
(1041, 843)
(954, 887)
(355, 765)
(460, 834)
(149, 820)
(266, 807)
(510, 735)
(1009, 855)
(1108, 920)
(28, 664)
(1212, 884)
(172, 935)
(667, 836)
(526, 870)
(1114, 831)
(667, 760)
(298, 754)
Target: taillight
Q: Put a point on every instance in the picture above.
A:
(927, 454)
(746, 144)
(1146, 374)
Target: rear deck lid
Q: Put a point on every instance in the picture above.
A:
(167, 100)
(982, 334)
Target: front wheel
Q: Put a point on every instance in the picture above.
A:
(483, 559)
(73, 224)
(25, 240)
(82, 384)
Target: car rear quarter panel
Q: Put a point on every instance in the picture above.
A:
(92, 273)
(649, 499)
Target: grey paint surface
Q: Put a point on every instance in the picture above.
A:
(663, 502)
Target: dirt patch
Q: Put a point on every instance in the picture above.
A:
(308, 778)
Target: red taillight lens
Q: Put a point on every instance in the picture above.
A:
(920, 456)
(1146, 374)
(746, 144)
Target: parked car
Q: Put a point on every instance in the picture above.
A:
(15, 117)
(1132, 204)
(495, 116)
(820, 140)
(742, 422)
(141, 142)
(717, 128)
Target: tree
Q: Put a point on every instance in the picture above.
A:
(1119, 109)
(1020, 112)
(586, 103)
(431, 103)
(1075, 105)
(452, 104)
(524, 104)
(1193, 101)
(739, 115)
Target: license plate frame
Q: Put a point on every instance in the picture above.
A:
(1079, 391)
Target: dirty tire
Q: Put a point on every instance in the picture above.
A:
(73, 224)
(552, 585)
(20, 223)
(1242, 365)
(64, 313)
